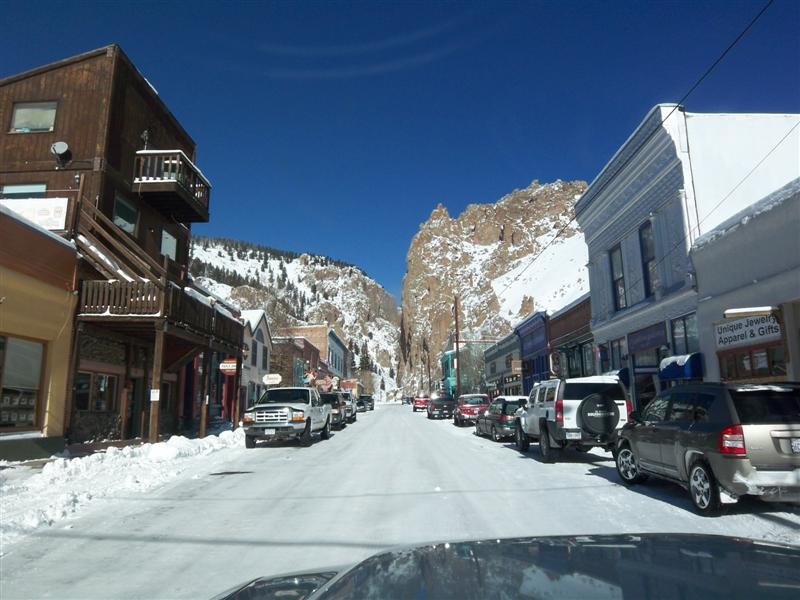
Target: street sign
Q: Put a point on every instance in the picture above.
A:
(228, 366)
(272, 379)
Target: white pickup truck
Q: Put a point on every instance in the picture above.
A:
(287, 413)
(578, 413)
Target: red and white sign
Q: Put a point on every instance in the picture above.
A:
(228, 366)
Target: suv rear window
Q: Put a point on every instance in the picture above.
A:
(579, 391)
(474, 400)
(771, 404)
(510, 408)
(329, 398)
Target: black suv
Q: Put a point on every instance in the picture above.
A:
(369, 401)
(719, 441)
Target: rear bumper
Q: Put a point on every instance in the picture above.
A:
(742, 479)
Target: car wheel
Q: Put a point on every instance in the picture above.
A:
(495, 435)
(326, 431)
(546, 451)
(355, 418)
(628, 466)
(306, 438)
(249, 441)
(429, 416)
(703, 489)
(523, 443)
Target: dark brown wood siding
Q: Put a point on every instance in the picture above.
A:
(572, 323)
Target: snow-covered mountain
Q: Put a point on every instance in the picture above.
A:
(299, 289)
(485, 256)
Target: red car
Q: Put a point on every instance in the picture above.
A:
(420, 402)
(469, 407)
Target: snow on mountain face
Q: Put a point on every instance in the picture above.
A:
(303, 289)
(485, 257)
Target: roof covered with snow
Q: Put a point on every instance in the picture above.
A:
(791, 191)
(33, 226)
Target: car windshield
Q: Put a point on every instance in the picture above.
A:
(474, 400)
(578, 391)
(767, 405)
(281, 396)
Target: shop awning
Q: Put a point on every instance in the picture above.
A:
(684, 366)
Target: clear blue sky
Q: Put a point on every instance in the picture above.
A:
(336, 128)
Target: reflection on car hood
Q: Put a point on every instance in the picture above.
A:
(602, 566)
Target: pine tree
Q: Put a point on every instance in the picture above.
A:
(383, 384)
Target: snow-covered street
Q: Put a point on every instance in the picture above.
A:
(392, 478)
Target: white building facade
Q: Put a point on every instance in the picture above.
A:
(678, 176)
(256, 364)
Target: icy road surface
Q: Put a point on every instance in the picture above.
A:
(393, 478)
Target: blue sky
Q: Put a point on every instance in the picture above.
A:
(336, 128)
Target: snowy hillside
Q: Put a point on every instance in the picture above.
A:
(297, 289)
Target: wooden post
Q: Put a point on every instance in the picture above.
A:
(458, 354)
(123, 412)
(205, 389)
(237, 395)
(155, 383)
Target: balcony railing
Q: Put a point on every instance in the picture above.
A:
(135, 299)
(166, 174)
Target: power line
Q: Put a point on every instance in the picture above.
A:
(625, 163)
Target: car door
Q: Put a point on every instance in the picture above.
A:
(316, 410)
(495, 410)
(531, 422)
(672, 431)
(649, 431)
(482, 422)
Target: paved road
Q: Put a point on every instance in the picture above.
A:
(392, 478)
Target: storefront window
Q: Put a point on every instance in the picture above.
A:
(95, 392)
(20, 375)
(684, 335)
(753, 363)
(619, 353)
(588, 359)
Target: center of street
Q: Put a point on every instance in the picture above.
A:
(393, 478)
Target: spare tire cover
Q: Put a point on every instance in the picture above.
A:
(599, 414)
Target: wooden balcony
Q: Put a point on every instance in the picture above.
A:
(139, 303)
(172, 184)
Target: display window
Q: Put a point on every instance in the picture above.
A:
(21, 370)
(95, 392)
(754, 362)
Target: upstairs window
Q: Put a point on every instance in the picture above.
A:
(648, 246)
(126, 215)
(685, 339)
(265, 358)
(24, 190)
(169, 244)
(254, 354)
(618, 278)
(28, 117)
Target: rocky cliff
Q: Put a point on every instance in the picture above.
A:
(485, 256)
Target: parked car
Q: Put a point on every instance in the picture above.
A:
(361, 406)
(369, 401)
(287, 413)
(578, 413)
(408, 399)
(338, 412)
(469, 407)
(441, 405)
(350, 408)
(497, 421)
(420, 402)
(719, 441)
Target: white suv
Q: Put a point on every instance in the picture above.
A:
(578, 413)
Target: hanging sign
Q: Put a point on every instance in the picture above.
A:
(155, 395)
(228, 366)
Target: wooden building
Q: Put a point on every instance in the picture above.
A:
(90, 151)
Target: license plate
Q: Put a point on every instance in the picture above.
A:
(796, 445)
(573, 435)
(269, 432)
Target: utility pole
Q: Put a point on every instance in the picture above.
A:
(458, 354)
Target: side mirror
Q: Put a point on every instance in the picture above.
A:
(635, 416)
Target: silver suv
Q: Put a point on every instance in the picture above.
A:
(720, 441)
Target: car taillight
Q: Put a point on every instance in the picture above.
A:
(629, 408)
(507, 418)
(731, 440)
(559, 411)
(335, 411)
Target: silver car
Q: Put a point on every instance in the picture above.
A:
(719, 441)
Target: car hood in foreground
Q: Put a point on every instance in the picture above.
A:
(603, 566)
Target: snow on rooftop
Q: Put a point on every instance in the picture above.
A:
(37, 228)
(253, 317)
(777, 198)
